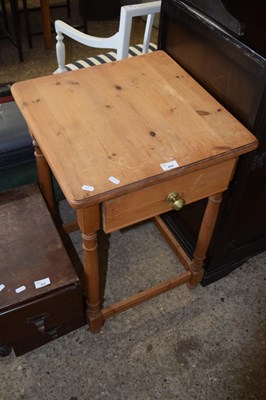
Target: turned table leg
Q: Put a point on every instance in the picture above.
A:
(205, 234)
(89, 223)
(45, 178)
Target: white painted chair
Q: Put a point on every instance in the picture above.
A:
(120, 41)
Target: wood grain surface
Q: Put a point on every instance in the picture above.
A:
(124, 119)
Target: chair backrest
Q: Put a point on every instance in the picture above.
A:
(120, 41)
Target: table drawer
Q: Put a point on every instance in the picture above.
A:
(148, 202)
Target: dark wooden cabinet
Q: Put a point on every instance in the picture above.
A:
(99, 10)
(231, 66)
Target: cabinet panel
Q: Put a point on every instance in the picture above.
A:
(235, 74)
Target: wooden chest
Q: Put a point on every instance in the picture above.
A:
(40, 292)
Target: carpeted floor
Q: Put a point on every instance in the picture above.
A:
(202, 344)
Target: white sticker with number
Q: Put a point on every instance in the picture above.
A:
(114, 180)
(169, 165)
(88, 188)
(42, 282)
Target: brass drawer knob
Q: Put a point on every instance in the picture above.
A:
(177, 202)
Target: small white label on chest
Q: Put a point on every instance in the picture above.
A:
(42, 282)
(169, 165)
(20, 289)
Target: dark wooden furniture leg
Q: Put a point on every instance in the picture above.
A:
(27, 22)
(46, 22)
(17, 33)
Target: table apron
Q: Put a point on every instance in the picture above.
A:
(151, 201)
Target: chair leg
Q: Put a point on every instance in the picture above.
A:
(26, 11)
(27, 22)
(15, 18)
(4, 14)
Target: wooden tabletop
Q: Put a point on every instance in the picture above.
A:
(125, 120)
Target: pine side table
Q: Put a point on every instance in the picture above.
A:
(126, 142)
